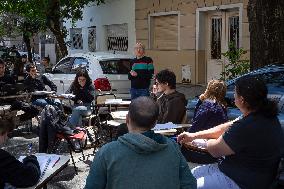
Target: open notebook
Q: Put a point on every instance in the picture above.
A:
(46, 161)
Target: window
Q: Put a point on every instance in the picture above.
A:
(92, 39)
(234, 31)
(216, 36)
(121, 66)
(80, 63)
(164, 32)
(76, 38)
(64, 66)
(117, 37)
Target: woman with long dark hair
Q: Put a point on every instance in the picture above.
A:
(251, 146)
(84, 92)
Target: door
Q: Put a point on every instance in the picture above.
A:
(223, 28)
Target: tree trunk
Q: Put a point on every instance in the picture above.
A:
(27, 41)
(59, 38)
(266, 25)
(54, 24)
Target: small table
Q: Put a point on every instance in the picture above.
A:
(50, 173)
(116, 103)
(170, 129)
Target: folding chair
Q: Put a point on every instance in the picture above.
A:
(76, 143)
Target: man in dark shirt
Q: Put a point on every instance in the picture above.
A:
(13, 171)
(141, 73)
(5, 82)
(35, 82)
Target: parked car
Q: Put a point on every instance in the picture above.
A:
(108, 71)
(273, 75)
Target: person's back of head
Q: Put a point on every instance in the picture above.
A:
(216, 90)
(143, 113)
(254, 92)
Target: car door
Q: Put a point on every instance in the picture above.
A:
(116, 70)
(60, 73)
(275, 84)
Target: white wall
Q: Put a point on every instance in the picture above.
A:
(112, 12)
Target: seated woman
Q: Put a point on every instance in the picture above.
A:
(84, 92)
(252, 145)
(13, 171)
(211, 109)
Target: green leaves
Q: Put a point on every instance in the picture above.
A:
(46, 14)
(235, 65)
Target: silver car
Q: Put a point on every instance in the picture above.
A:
(108, 71)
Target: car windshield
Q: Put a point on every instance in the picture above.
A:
(117, 66)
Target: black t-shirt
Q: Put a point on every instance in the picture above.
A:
(258, 144)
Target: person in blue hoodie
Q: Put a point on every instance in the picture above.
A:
(140, 159)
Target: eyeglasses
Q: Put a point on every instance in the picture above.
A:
(138, 48)
(33, 70)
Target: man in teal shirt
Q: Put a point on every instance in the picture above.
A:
(140, 159)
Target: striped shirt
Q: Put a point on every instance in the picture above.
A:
(145, 69)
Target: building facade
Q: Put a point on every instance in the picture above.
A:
(107, 27)
(191, 34)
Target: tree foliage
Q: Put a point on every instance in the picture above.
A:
(49, 14)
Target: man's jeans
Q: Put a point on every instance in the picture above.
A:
(43, 102)
(135, 93)
(77, 112)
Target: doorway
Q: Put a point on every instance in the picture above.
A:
(222, 29)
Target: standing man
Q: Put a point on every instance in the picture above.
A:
(141, 73)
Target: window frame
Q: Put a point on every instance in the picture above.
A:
(59, 63)
(74, 70)
(150, 20)
(115, 60)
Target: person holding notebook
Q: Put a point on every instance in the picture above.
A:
(12, 171)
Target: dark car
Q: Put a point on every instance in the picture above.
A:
(273, 75)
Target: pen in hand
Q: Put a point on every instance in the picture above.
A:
(56, 162)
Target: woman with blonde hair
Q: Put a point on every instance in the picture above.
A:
(209, 112)
(211, 109)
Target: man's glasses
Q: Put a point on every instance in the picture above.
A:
(138, 48)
